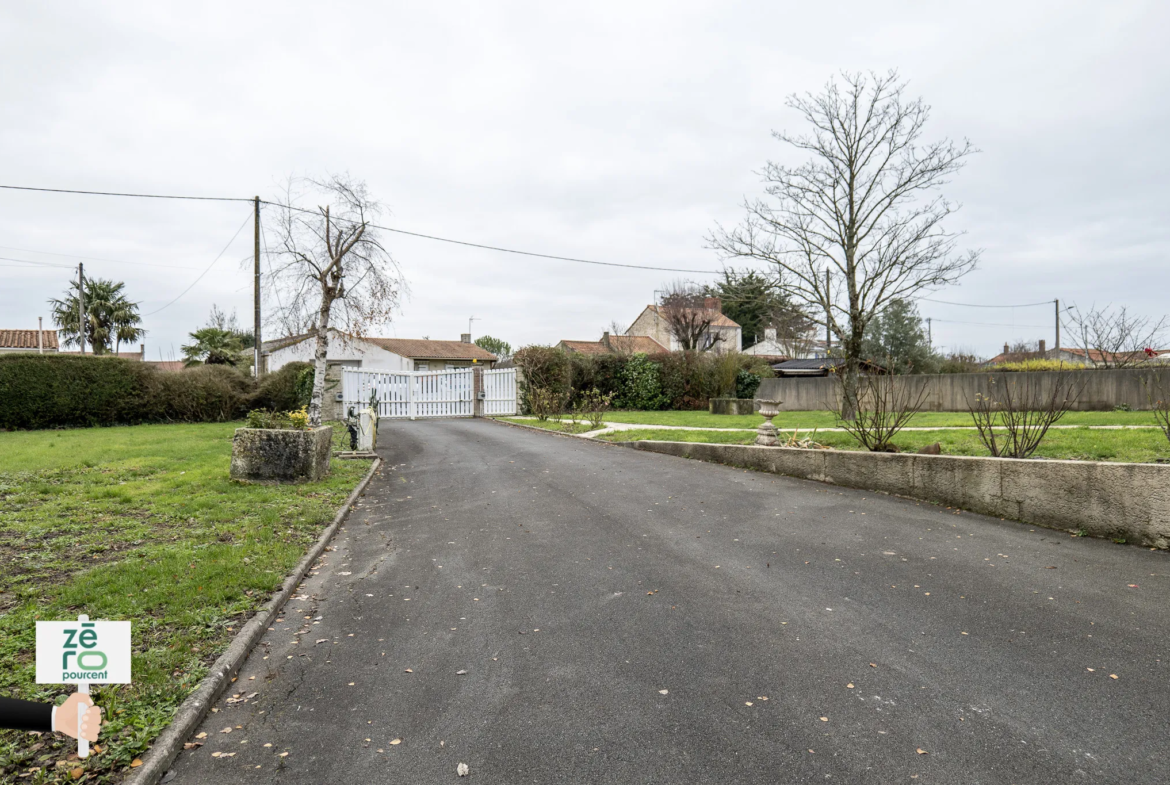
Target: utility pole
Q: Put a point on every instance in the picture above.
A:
(929, 337)
(40, 335)
(1057, 302)
(81, 304)
(828, 315)
(256, 287)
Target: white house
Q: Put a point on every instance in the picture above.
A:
(383, 354)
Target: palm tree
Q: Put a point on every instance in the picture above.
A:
(109, 316)
(212, 346)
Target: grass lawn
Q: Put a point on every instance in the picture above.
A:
(564, 426)
(138, 523)
(821, 419)
(1080, 444)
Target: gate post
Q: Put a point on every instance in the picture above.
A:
(477, 392)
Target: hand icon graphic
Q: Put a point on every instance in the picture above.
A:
(65, 717)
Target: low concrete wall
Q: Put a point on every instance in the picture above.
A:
(732, 406)
(1116, 500)
(949, 392)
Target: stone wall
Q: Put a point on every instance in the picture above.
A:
(949, 392)
(1116, 500)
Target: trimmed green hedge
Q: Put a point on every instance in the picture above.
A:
(55, 390)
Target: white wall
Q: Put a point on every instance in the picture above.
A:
(340, 349)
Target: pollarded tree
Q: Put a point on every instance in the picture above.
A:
(329, 267)
(860, 223)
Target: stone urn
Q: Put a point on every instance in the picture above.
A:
(766, 433)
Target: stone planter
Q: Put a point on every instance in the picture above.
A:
(276, 455)
(732, 406)
(766, 433)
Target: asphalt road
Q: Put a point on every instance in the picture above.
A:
(550, 610)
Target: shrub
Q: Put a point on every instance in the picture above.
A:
(54, 390)
(1039, 365)
(594, 404)
(285, 389)
(746, 384)
(545, 402)
(205, 393)
(640, 385)
(542, 368)
(263, 418)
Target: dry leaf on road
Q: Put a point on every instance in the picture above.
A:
(461, 769)
(922, 751)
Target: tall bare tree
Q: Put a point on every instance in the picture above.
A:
(329, 267)
(1114, 338)
(683, 306)
(860, 223)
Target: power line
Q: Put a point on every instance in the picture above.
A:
(88, 258)
(505, 250)
(972, 305)
(205, 272)
(990, 324)
(32, 262)
(136, 196)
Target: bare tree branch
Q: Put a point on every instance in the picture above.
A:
(1112, 338)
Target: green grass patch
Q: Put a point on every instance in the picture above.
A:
(1076, 444)
(822, 419)
(564, 426)
(143, 524)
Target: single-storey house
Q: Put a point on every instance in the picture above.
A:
(722, 336)
(29, 341)
(614, 344)
(1090, 358)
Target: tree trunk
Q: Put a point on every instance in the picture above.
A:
(319, 363)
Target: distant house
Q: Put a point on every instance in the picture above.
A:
(614, 344)
(820, 367)
(138, 356)
(723, 335)
(28, 341)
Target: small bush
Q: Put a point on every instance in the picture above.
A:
(542, 368)
(289, 421)
(594, 404)
(640, 385)
(545, 402)
(284, 389)
(746, 384)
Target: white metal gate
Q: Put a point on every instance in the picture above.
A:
(500, 392)
(417, 394)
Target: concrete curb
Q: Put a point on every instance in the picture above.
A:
(580, 436)
(192, 711)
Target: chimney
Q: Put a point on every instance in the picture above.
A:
(713, 304)
(465, 337)
(605, 339)
(40, 335)
(1005, 347)
(770, 334)
(142, 352)
(1042, 352)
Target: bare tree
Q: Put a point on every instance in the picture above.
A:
(1112, 338)
(863, 210)
(1020, 407)
(329, 267)
(683, 306)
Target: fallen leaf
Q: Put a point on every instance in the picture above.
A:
(824, 719)
(1113, 675)
(284, 754)
(460, 673)
(201, 735)
(663, 692)
(228, 729)
(267, 745)
(461, 769)
(849, 686)
(136, 763)
(1090, 670)
(408, 670)
(192, 745)
(396, 742)
(873, 665)
(922, 751)
(747, 703)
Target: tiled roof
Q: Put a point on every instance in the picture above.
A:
(418, 349)
(631, 344)
(281, 343)
(27, 339)
(717, 317)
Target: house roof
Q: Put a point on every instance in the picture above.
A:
(631, 344)
(718, 319)
(419, 349)
(413, 348)
(27, 339)
(820, 367)
(1094, 356)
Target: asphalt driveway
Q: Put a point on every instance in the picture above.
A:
(549, 610)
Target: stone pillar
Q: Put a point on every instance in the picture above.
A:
(477, 392)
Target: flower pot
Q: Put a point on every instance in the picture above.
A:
(281, 455)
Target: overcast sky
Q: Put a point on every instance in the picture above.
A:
(610, 131)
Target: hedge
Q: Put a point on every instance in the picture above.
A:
(54, 390)
(671, 380)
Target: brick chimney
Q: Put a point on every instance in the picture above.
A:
(1005, 347)
(1042, 352)
(713, 304)
(605, 339)
(465, 337)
